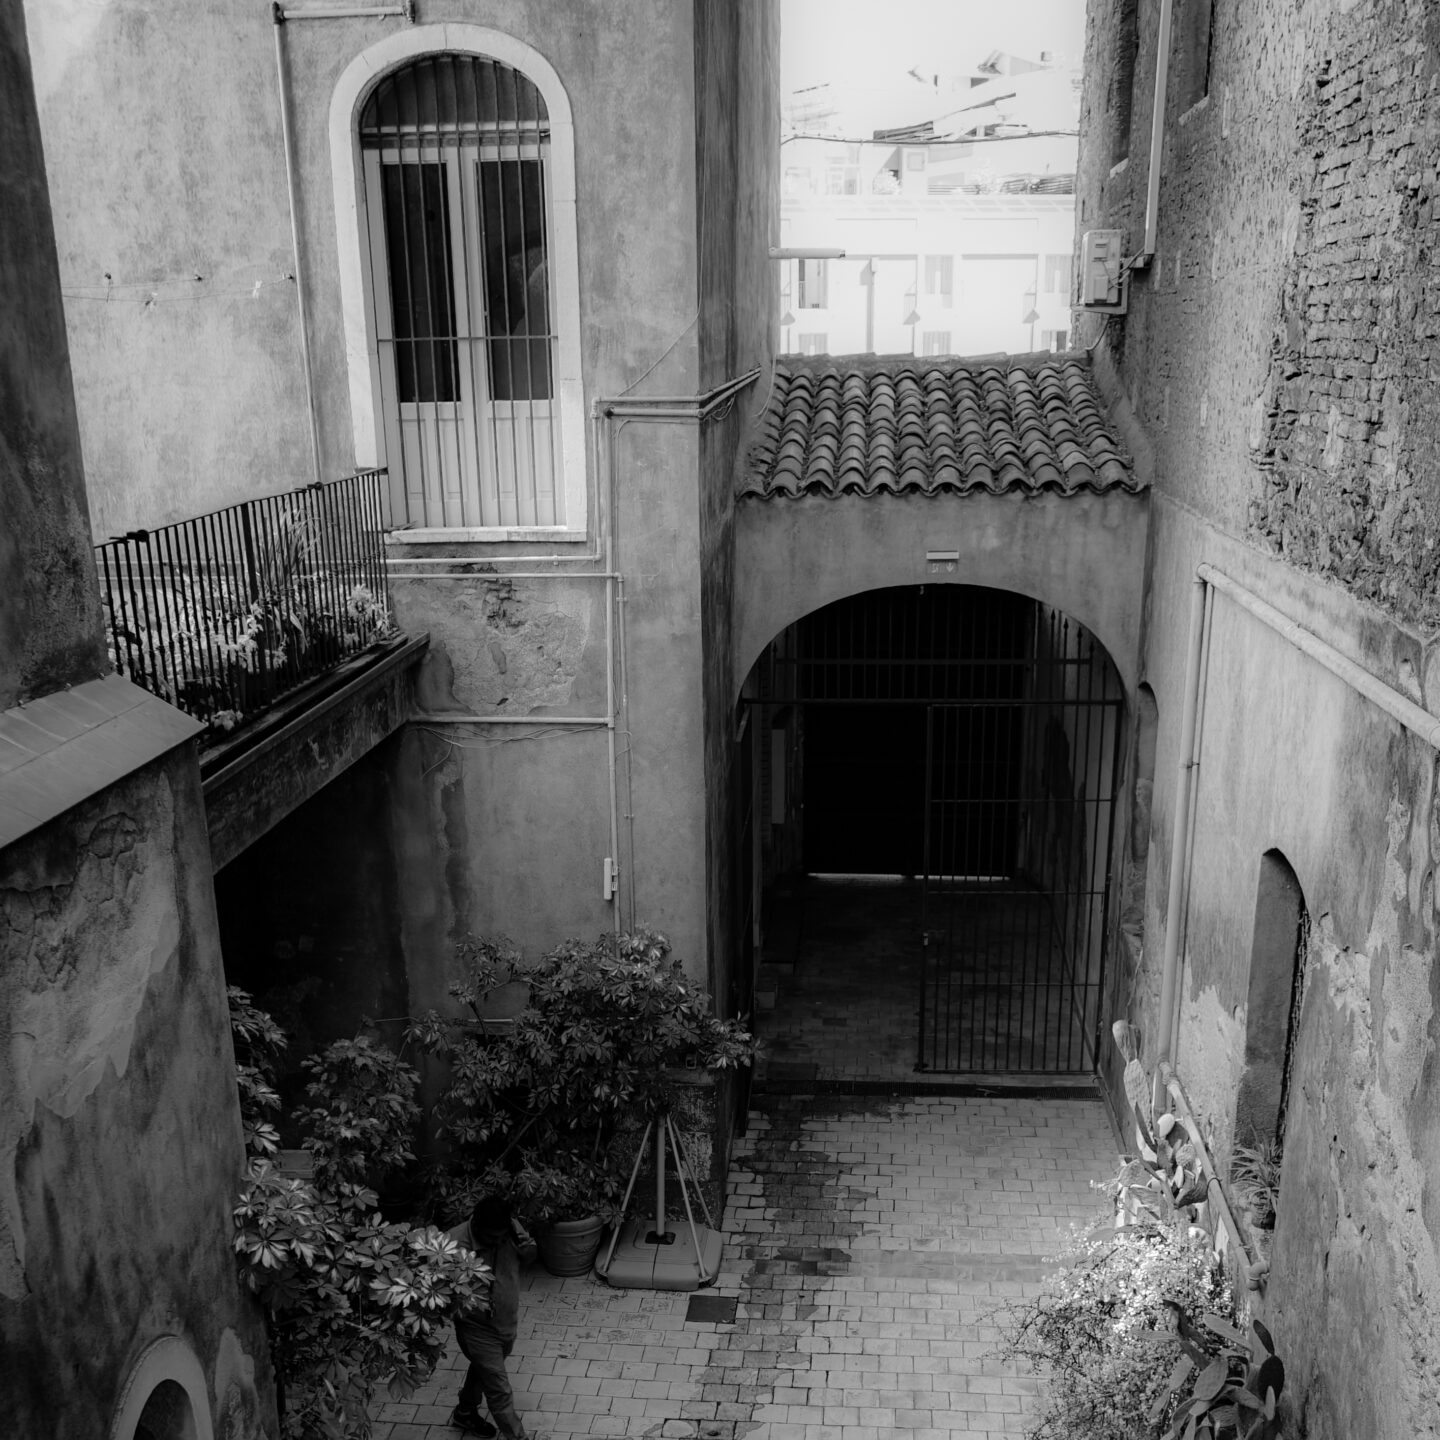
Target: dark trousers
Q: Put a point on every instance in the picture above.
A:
(487, 1350)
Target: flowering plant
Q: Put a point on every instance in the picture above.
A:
(1110, 1327)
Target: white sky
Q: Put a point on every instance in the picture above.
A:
(857, 44)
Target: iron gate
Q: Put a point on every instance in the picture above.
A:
(971, 738)
(1019, 828)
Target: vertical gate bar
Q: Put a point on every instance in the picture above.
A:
(926, 959)
(1085, 894)
(1044, 922)
(1085, 676)
(1030, 798)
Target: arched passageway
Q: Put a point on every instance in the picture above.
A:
(937, 774)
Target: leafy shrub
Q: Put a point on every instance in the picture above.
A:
(535, 1106)
(353, 1301)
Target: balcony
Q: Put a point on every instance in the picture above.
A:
(270, 623)
(225, 614)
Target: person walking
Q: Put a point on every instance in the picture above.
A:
(487, 1336)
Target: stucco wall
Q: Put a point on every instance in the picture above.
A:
(1083, 554)
(162, 133)
(1276, 355)
(49, 596)
(120, 1145)
(737, 63)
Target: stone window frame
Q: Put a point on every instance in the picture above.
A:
(347, 101)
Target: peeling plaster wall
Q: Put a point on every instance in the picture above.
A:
(120, 1146)
(1277, 355)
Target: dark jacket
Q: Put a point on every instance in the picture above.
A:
(505, 1260)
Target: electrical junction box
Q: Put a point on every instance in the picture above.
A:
(1104, 281)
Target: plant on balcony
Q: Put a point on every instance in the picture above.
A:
(544, 1108)
(352, 1301)
(221, 644)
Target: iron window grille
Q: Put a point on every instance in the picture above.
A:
(455, 153)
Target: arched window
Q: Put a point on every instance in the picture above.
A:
(1277, 955)
(460, 186)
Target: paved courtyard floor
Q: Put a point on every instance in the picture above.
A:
(868, 1242)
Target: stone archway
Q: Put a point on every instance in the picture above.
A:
(959, 748)
(164, 1397)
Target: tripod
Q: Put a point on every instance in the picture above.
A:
(642, 1256)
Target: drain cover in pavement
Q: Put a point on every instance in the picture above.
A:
(717, 1309)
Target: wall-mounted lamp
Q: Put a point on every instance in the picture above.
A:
(805, 252)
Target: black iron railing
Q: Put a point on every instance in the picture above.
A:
(225, 613)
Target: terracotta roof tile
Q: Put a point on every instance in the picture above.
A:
(896, 424)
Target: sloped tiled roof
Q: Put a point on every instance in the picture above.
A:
(897, 424)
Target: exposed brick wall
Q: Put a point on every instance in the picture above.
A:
(1283, 348)
(1348, 482)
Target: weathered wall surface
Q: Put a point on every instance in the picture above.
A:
(49, 596)
(120, 1146)
(1276, 353)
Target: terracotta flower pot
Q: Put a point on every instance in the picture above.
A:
(568, 1247)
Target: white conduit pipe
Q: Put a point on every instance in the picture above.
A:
(1157, 133)
(1180, 831)
(277, 15)
(1414, 718)
(446, 717)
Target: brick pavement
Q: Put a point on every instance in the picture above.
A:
(868, 1241)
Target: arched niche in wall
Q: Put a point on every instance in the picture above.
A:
(1277, 950)
(164, 1397)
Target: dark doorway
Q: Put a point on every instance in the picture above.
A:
(968, 738)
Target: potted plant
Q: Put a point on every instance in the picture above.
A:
(1255, 1174)
(545, 1105)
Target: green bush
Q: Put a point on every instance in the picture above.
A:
(353, 1302)
(536, 1107)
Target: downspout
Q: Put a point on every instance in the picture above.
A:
(282, 71)
(1157, 136)
(1180, 831)
(671, 409)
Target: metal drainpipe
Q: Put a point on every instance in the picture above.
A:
(1180, 833)
(282, 71)
(1157, 135)
(673, 409)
